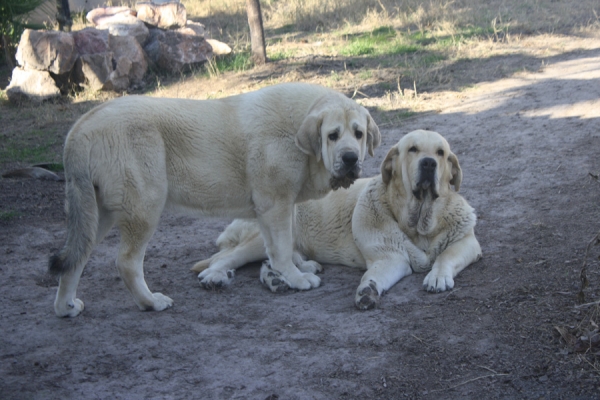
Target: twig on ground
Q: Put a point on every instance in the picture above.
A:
(420, 340)
(469, 381)
(451, 292)
(583, 273)
(594, 303)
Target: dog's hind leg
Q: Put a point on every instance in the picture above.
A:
(135, 235)
(66, 303)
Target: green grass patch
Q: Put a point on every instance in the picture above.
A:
(34, 147)
(430, 59)
(236, 62)
(428, 38)
(381, 41)
(280, 55)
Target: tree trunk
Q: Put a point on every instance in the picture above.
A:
(257, 33)
(7, 53)
(63, 16)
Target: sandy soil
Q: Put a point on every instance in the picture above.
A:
(528, 146)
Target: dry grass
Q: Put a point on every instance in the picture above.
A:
(392, 45)
(396, 57)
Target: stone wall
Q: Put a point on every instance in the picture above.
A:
(113, 55)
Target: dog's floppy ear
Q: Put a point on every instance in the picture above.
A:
(387, 167)
(308, 138)
(456, 171)
(373, 135)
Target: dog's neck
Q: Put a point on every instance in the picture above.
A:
(421, 213)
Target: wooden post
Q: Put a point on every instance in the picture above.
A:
(257, 33)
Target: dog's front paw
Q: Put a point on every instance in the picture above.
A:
(436, 281)
(310, 266)
(71, 308)
(272, 279)
(214, 279)
(304, 281)
(367, 296)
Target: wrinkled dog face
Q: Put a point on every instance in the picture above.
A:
(339, 132)
(344, 143)
(428, 165)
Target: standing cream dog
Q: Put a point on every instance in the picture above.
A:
(250, 156)
(406, 219)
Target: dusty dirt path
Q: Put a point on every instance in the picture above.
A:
(526, 145)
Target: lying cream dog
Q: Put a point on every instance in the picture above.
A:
(408, 219)
(251, 156)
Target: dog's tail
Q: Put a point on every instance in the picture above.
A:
(81, 209)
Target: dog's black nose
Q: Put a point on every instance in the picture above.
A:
(350, 158)
(428, 164)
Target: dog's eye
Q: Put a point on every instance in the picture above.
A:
(333, 136)
(413, 149)
(440, 153)
(358, 134)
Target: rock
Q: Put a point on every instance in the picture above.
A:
(91, 41)
(100, 16)
(52, 51)
(95, 61)
(196, 27)
(129, 63)
(32, 172)
(173, 51)
(31, 85)
(219, 48)
(109, 62)
(94, 69)
(169, 15)
(126, 25)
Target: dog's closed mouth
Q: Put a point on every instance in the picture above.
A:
(425, 188)
(344, 180)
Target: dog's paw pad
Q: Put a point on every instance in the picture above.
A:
(367, 298)
(273, 279)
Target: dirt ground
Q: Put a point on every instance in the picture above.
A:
(529, 148)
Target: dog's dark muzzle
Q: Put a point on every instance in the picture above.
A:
(426, 183)
(350, 165)
(348, 171)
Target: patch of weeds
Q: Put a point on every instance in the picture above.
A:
(427, 38)
(236, 62)
(33, 147)
(8, 215)
(289, 28)
(281, 55)
(405, 114)
(430, 59)
(365, 74)
(335, 76)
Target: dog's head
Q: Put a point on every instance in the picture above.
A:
(423, 165)
(340, 132)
